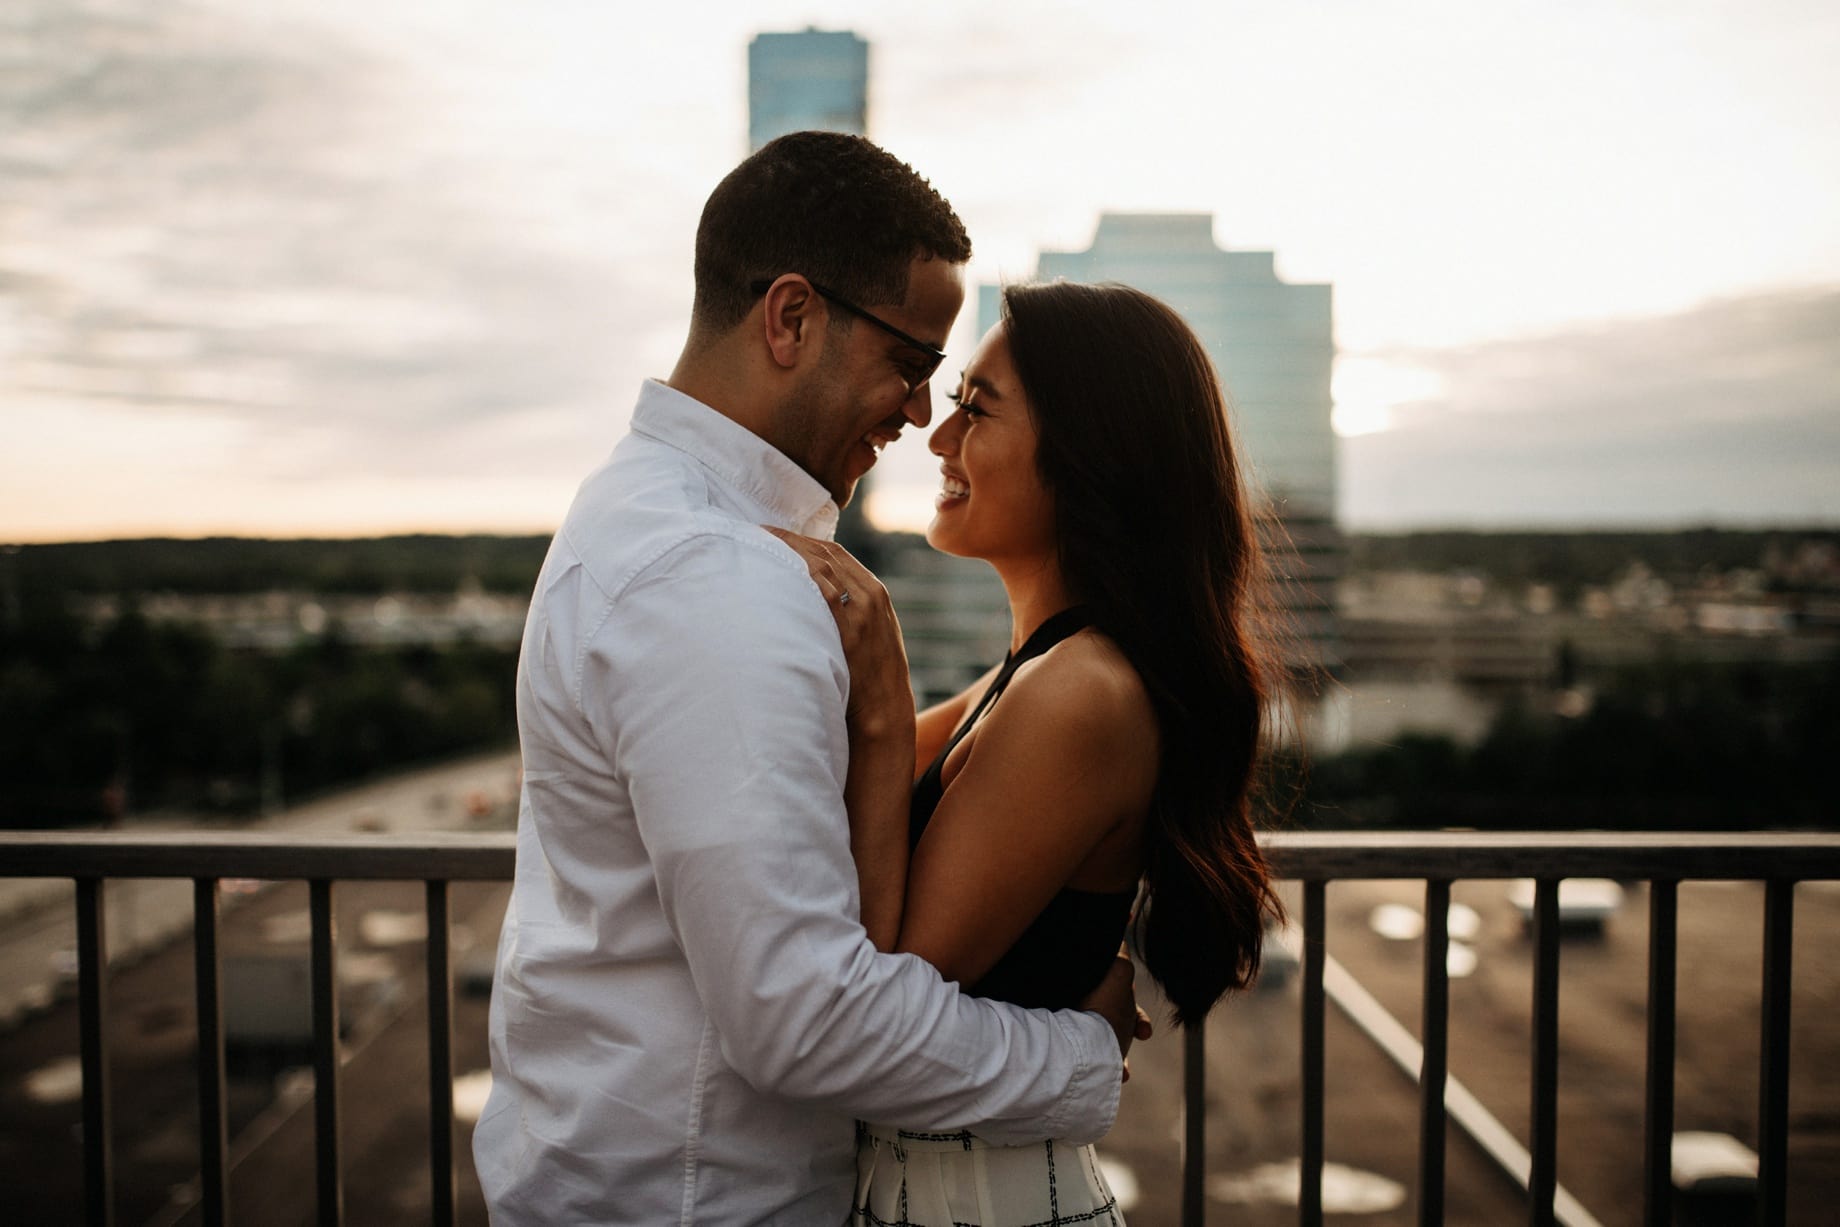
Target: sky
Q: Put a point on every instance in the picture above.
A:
(329, 267)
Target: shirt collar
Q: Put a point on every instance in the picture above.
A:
(787, 495)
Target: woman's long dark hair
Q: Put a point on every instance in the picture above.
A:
(1156, 539)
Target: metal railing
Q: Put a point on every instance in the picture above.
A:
(436, 859)
(1313, 860)
(1778, 860)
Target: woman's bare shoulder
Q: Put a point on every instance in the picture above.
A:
(1088, 684)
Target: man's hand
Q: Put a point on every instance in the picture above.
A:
(1115, 1000)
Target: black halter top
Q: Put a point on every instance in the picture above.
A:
(1065, 951)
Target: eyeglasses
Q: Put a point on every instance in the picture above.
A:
(934, 355)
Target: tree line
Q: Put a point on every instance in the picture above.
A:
(228, 565)
(1672, 744)
(1569, 561)
(429, 563)
(99, 720)
(104, 716)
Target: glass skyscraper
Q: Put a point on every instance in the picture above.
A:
(1273, 343)
(809, 79)
(797, 82)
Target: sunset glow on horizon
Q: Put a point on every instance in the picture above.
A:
(321, 267)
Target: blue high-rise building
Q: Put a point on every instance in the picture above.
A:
(1273, 343)
(810, 79)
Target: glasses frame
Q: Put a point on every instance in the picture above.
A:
(934, 354)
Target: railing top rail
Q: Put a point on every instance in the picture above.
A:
(1670, 855)
(1312, 855)
(408, 857)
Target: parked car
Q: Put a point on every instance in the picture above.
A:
(1585, 904)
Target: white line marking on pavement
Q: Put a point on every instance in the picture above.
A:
(1393, 1039)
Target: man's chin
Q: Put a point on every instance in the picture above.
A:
(843, 487)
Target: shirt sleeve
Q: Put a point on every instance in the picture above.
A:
(717, 687)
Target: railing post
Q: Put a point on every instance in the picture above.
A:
(330, 1188)
(1194, 1125)
(1658, 1124)
(1434, 1069)
(92, 1012)
(1773, 1096)
(213, 1132)
(1310, 1163)
(1543, 1174)
(440, 1058)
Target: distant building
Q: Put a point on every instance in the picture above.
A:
(954, 616)
(810, 79)
(1273, 343)
(797, 82)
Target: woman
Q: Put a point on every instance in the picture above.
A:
(1089, 461)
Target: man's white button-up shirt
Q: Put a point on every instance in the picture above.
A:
(687, 1014)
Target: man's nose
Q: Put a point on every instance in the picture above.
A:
(918, 407)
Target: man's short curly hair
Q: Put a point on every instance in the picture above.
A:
(834, 207)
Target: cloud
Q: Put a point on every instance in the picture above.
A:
(331, 245)
(258, 220)
(1729, 412)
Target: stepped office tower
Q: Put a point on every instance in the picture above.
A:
(1274, 345)
(811, 79)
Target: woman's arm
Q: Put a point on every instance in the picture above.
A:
(875, 793)
(1050, 793)
(1051, 787)
(881, 722)
(934, 727)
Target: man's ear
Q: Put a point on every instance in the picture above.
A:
(789, 321)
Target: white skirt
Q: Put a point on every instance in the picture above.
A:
(906, 1178)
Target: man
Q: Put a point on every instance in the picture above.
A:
(687, 1014)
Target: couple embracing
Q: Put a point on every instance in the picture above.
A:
(780, 950)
